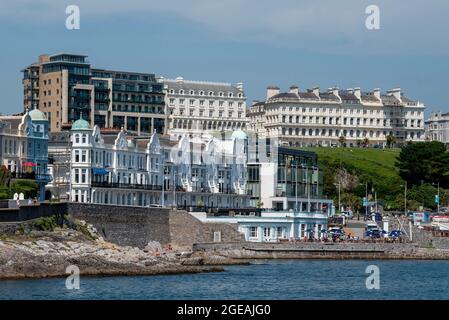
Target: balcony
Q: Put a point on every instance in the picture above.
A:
(39, 177)
(118, 185)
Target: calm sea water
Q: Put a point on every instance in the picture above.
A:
(292, 279)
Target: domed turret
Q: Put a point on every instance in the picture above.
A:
(81, 124)
(37, 115)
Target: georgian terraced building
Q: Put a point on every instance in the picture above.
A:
(197, 107)
(120, 169)
(333, 117)
(437, 127)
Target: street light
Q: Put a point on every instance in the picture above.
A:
(405, 197)
(164, 177)
(339, 196)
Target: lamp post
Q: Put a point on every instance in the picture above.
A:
(296, 186)
(174, 187)
(164, 177)
(405, 197)
(339, 196)
(366, 203)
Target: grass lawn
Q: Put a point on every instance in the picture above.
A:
(376, 163)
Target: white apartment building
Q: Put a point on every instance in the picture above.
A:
(274, 226)
(198, 107)
(190, 172)
(334, 117)
(24, 147)
(437, 127)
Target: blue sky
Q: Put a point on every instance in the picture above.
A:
(307, 43)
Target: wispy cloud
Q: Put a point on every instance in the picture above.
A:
(412, 26)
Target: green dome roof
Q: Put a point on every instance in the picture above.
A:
(239, 134)
(81, 124)
(37, 115)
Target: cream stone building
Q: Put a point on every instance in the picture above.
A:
(336, 117)
(197, 106)
(437, 127)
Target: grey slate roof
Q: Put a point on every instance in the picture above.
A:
(368, 97)
(206, 87)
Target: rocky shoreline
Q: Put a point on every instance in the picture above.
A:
(48, 254)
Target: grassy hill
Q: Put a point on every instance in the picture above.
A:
(375, 166)
(376, 163)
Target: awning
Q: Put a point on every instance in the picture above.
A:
(29, 164)
(99, 171)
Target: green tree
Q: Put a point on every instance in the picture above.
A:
(390, 141)
(423, 195)
(4, 193)
(424, 162)
(5, 176)
(29, 188)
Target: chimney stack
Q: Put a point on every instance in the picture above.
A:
(376, 93)
(358, 92)
(240, 86)
(179, 80)
(316, 91)
(294, 89)
(272, 91)
(396, 92)
(334, 91)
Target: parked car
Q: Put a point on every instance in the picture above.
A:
(373, 233)
(370, 225)
(336, 232)
(394, 234)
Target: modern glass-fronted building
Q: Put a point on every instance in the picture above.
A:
(64, 86)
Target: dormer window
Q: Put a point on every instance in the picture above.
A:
(192, 92)
(201, 93)
(221, 94)
(230, 95)
(211, 94)
(181, 91)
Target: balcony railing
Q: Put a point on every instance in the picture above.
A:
(31, 176)
(118, 185)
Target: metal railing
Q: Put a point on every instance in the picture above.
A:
(119, 185)
(31, 176)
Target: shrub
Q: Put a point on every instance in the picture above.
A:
(4, 193)
(45, 223)
(28, 188)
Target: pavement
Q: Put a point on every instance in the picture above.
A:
(355, 227)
